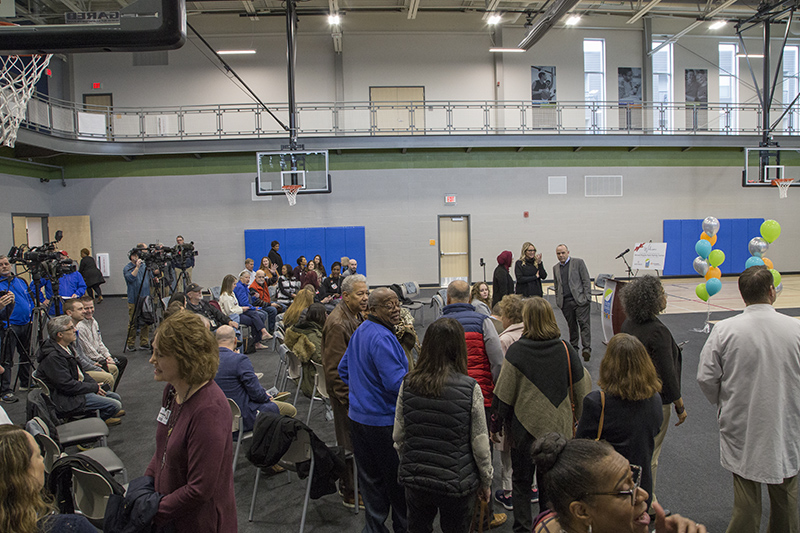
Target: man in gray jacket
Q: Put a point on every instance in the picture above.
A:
(574, 297)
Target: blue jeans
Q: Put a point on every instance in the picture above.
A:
(270, 313)
(108, 405)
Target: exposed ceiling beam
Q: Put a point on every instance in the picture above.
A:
(639, 14)
(491, 7)
(413, 6)
(251, 9)
(545, 21)
(692, 26)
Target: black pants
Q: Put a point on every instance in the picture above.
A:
(455, 513)
(15, 338)
(377, 463)
(577, 317)
(94, 289)
(521, 481)
(121, 361)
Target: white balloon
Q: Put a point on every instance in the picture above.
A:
(710, 226)
(779, 288)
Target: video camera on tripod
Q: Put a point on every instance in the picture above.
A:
(158, 256)
(43, 262)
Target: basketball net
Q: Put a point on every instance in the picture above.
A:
(291, 193)
(783, 186)
(18, 78)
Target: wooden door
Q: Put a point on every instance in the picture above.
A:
(77, 234)
(397, 109)
(454, 253)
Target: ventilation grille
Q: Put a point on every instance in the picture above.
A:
(556, 185)
(151, 59)
(600, 186)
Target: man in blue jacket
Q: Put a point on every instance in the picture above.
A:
(138, 286)
(15, 331)
(373, 366)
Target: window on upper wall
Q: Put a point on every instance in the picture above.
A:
(791, 122)
(594, 77)
(728, 87)
(662, 87)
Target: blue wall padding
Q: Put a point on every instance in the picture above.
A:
(330, 243)
(733, 237)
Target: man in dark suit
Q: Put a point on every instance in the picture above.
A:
(574, 298)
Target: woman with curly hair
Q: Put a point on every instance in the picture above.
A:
(481, 298)
(193, 462)
(626, 411)
(643, 299)
(23, 509)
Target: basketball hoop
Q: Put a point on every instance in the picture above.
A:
(18, 78)
(783, 186)
(291, 193)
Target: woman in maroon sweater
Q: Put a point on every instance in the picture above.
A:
(192, 465)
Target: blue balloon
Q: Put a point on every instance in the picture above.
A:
(703, 248)
(753, 261)
(713, 286)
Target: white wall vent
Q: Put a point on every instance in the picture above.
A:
(600, 186)
(556, 185)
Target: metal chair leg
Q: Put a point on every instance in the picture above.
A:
(253, 499)
(238, 446)
(297, 392)
(308, 495)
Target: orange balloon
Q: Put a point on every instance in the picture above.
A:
(768, 262)
(713, 272)
(705, 237)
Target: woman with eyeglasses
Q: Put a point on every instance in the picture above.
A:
(626, 412)
(529, 272)
(594, 489)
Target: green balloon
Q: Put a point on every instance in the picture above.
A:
(716, 257)
(770, 230)
(776, 276)
(701, 292)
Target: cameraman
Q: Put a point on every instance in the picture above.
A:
(15, 331)
(138, 287)
(70, 285)
(184, 262)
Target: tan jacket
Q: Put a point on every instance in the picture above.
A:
(339, 327)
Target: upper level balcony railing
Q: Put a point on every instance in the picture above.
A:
(249, 121)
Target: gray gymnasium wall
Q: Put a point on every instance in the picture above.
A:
(399, 209)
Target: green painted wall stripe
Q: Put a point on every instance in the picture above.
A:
(186, 164)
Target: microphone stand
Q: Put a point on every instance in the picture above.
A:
(628, 268)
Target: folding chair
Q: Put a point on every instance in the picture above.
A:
(91, 492)
(280, 374)
(411, 291)
(103, 455)
(319, 388)
(75, 432)
(294, 371)
(299, 451)
(237, 428)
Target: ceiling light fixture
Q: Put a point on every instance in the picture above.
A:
(334, 19)
(751, 56)
(717, 24)
(510, 50)
(235, 52)
(494, 19)
(573, 20)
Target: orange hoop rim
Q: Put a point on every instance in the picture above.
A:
(779, 181)
(291, 187)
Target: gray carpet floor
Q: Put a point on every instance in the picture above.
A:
(690, 479)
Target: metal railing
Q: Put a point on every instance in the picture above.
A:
(249, 121)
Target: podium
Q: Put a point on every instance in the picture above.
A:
(612, 314)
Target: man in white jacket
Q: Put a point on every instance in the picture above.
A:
(750, 368)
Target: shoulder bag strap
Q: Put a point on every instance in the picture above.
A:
(602, 414)
(571, 391)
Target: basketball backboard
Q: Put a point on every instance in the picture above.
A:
(307, 169)
(763, 165)
(64, 26)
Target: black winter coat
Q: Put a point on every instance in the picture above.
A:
(58, 368)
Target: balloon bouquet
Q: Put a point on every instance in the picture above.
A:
(707, 265)
(758, 246)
